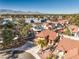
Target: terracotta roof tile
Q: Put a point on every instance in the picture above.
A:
(75, 57)
(52, 35)
(71, 53)
(45, 33)
(67, 44)
(71, 46)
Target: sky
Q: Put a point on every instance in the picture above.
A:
(43, 6)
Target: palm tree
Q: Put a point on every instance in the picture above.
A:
(53, 46)
(42, 42)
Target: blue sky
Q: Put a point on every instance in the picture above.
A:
(45, 6)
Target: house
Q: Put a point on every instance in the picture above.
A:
(28, 20)
(47, 25)
(75, 30)
(60, 17)
(37, 28)
(3, 22)
(77, 34)
(49, 35)
(66, 49)
(69, 47)
(57, 26)
(61, 21)
(43, 33)
(8, 18)
(34, 20)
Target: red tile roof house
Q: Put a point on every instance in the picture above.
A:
(46, 25)
(48, 34)
(74, 28)
(71, 46)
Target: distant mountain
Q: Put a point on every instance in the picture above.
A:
(7, 11)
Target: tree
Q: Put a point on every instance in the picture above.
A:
(7, 37)
(67, 31)
(54, 45)
(75, 20)
(48, 57)
(42, 42)
(24, 30)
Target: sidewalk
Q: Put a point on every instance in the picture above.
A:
(34, 52)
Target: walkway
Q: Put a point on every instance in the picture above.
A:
(34, 52)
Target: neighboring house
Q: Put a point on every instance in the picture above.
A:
(61, 21)
(60, 17)
(49, 35)
(27, 20)
(34, 20)
(3, 22)
(42, 20)
(57, 26)
(10, 19)
(74, 30)
(77, 34)
(47, 25)
(37, 28)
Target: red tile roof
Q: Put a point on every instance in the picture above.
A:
(61, 30)
(71, 46)
(44, 33)
(47, 32)
(75, 57)
(52, 35)
(67, 44)
(72, 53)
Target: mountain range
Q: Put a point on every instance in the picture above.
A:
(7, 11)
